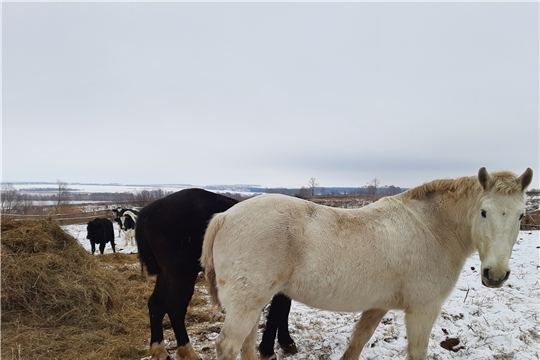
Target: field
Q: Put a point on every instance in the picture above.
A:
(107, 317)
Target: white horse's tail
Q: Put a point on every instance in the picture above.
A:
(207, 258)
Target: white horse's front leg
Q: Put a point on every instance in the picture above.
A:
(419, 322)
(362, 333)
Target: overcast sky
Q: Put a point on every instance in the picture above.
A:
(268, 93)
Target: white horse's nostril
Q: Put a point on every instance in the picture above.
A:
(486, 273)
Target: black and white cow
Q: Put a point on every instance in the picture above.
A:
(126, 219)
(117, 213)
(100, 231)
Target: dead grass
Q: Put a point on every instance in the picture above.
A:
(345, 201)
(58, 301)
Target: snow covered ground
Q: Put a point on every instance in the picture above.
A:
(488, 323)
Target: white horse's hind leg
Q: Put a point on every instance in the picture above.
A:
(249, 349)
(237, 331)
(362, 333)
(419, 323)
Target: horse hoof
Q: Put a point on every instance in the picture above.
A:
(289, 348)
(186, 352)
(159, 352)
(271, 357)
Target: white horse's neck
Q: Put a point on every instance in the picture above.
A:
(456, 225)
(447, 216)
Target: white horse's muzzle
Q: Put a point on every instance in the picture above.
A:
(492, 279)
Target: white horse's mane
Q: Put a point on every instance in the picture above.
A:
(503, 181)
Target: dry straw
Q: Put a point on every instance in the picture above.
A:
(58, 301)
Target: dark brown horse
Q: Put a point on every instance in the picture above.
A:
(169, 235)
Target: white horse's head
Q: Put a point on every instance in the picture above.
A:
(496, 222)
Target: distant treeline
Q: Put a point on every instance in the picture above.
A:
(101, 196)
(23, 201)
(336, 191)
(13, 201)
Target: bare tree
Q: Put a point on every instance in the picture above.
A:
(159, 193)
(372, 186)
(9, 199)
(303, 192)
(312, 184)
(142, 197)
(145, 197)
(62, 196)
(393, 190)
(25, 204)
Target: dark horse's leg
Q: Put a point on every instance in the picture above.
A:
(277, 321)
(284, 338)
(178, 300)
(171, 295)
(156, 309)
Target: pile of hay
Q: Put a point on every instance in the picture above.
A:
(49, 279)
(60, 301)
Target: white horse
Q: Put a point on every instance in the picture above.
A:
(402, 252)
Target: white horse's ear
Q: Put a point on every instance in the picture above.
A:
(484, 178)
(525, 179)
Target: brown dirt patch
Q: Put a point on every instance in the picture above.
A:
(451, 344)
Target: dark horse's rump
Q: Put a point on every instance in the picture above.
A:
(169, 235)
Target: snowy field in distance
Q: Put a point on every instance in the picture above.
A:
(95, 188)
(48, 188)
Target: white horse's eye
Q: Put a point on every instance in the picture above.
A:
(521, 217)
(484, 213)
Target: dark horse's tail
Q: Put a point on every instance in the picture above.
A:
(146, 256)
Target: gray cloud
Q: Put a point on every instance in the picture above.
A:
(268, 93)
